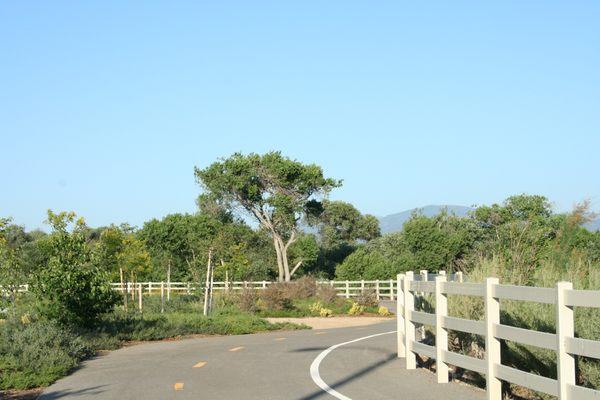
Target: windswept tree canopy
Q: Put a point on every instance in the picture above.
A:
(277, 191)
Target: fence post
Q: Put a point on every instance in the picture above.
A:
(409, 326)
(347, 290)
(458, 277)
(162, 297)
(264, 284)
(424, 277)
(391, 290)
(377, 289)
(442, 272)
(441, 334)
(565, 328)
(149, 287)
(140, 296)
(492, 344)
(362, 286)
(400, 317)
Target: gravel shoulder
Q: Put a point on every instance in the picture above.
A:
(332, 322)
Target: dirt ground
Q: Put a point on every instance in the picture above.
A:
(332, 322)
(20, 394)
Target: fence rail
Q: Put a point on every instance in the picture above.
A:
(383, 289)
(563, 342)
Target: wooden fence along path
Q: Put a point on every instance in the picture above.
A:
(563, 342)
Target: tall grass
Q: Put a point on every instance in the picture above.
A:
(535, 316)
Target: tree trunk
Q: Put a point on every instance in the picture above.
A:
(284, 260)
(278, 250)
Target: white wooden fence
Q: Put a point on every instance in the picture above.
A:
(563, 342)
(383, 289)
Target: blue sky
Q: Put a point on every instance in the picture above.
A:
(105, 107)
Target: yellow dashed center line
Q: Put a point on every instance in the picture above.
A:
(320, 333)
(279, 339)
(200, 364)
(178, 386)
(237, 348)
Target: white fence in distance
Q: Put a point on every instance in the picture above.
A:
(563, 342)
(383, 289)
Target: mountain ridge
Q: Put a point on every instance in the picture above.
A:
(394, 222)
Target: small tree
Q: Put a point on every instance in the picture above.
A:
(277, 191)
(70, 288)
(11, 274)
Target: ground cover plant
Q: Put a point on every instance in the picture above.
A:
(35, 350)
(71, 312)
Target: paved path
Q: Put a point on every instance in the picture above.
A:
(264, 366)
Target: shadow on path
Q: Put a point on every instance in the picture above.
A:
(63, 393)
(318, 393)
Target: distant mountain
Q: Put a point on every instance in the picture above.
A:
(593, 225)
(394, 222)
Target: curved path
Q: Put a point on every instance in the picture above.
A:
(275, 365)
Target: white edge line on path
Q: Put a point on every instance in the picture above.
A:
(314, 367)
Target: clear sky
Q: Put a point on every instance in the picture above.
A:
(106, 107)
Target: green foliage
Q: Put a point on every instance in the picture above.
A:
(183, 241)
(37, 353)
(152, 326)
(341, 228)
(70, 289)
(341, 222)
(275, 190)
(304, 252)
(117, 249)
(522, 232)
(11, 273)
(265, 181)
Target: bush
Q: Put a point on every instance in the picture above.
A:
(69, 288)
(37, 353)
(384, 311)
(356, 309)
(325, 312)
(530, 315)
(315, 308)
(367, 298)
(277, 297)
(326, 294)
(247, 300)
(302, 288)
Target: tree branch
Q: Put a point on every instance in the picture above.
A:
(296, 267)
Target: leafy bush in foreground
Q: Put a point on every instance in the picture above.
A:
(69, 288)
(37, 353)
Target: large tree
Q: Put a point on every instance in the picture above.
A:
(277, 191)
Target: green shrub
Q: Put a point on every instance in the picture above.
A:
(384, 311)
(356, 309)
(37, 353)
(69, 288)
(530, 315)
(136, 327)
